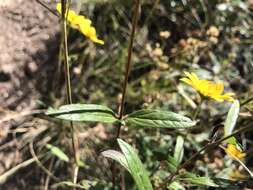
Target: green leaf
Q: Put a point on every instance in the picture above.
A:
(194, 179)
(117, 156)
(135, 166)
(58, 152)
(202, 181)
(231, 121)
(179, 149)
(158, 119)
(130, 161)
(84, 112)
(175, 186)
(172, 164)
(81, 164)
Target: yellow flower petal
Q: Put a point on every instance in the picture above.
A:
(219, 88)
(234, 152)
(90, 32)
(207, 88)
(95, 39)
(194, 77)
(76, 20)
(186, 80)
(228, 97)
(58, 7)
(81, 23)
(191, 76)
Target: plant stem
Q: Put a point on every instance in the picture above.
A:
(128, 64)
(208, 146)
(48, 8)
(48, 172)
(197, 111)
(124, 89)
(6, 175)
(65, 4)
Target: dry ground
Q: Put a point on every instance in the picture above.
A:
(28, 54)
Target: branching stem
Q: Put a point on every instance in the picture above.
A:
(208, 146)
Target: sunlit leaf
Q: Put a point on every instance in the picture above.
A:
(231, 121)
(202, 181)
(131, 162)
(81, 164)
(58, 152)
(84, 112)
(179, 149)
(158, 119)
(117, 156)
(194, 179)
(175, 186)
(136, 167)
(172, 164)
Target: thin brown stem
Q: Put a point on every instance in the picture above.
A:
(247, 101)
(197, 111)
(49, 173)
(124, 88)
(47, 181)
(208, 146)
(47, 7)
(123, 183)
(7, 174)
(128, 64)
(65, 4)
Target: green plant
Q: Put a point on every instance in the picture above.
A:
(175, 175)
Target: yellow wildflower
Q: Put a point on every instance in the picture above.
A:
(81, 23)
(234, 152)
(208, 88)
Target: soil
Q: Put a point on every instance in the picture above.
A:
(28, 53)
(28, 45)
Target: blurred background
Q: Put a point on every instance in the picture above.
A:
(212, 38)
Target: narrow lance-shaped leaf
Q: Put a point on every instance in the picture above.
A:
(194, 179)
(117, 156)
(84, 112)
(136, 167)
(202, 181)
(158, 119)
(179, 149)
(58, 152)
(172, 164)
(231, 121)
(175, 185)
(131, 162)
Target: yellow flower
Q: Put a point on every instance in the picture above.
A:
(234, 152)
(207, 88)
(81, 23)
